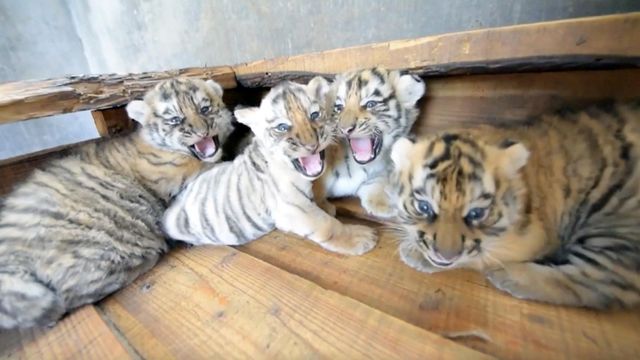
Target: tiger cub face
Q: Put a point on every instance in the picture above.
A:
(184, 115)
(374, 107)
(456, 197)
(293, 124)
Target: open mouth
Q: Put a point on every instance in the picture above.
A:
(311, 165)
(206, 148)
(365, 149)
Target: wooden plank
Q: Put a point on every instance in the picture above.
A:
(457, 303)
(216, 302)
(110, 122)
(81, 335)
(595, 42)
(462, 101)
(31, 99)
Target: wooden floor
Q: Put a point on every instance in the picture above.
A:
(283, 297)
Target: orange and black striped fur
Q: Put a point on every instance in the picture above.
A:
(88, 224)
(268, 186)
(373, 107)
(550, 211)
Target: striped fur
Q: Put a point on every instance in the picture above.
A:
(88, 224)
(263, 189)
(377, 106)
(550, 211)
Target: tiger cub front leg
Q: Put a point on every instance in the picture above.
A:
(314, 224)
(374, 198)
(320, 197)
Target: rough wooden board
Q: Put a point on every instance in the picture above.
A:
(462, 101)
(575, 43)
(81, 335)
(455, 302)
(218, 302)
(31, 99)
(110, 122)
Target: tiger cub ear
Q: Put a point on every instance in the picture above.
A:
(215, 87)
(137, 110)
(401, 152)
(409, 88)
(513, 156)
(318, 88)
(249, 116)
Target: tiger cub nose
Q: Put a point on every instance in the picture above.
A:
(348, 130)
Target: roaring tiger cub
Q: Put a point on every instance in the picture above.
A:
(550, 211)
(88, 224)
(374, 107)
(269, 185)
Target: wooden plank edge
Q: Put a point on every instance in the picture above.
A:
(37, 98)
(609, 40)
(515, 65)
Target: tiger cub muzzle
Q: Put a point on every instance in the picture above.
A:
(365, 149)
(310, 166)
(206, 147)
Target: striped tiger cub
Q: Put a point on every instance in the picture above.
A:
(88, 224)
(550, 211)
(268, 186)
(373, 107)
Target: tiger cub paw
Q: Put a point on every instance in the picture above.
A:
(327, 207)
(352, 240)
(378, 205)
(512, 281)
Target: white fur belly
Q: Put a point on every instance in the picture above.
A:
(345, 185)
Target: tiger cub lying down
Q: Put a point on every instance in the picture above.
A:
(373, 107)
(553, 215)
(88, 224)
(268, 186)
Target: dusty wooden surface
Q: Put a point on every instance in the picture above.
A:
(604, 41)
(31, 99)
(219, 302)
(83, 335)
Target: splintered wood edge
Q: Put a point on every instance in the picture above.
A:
(584, 43)
(32, 99)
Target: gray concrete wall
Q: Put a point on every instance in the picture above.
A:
(52, 38)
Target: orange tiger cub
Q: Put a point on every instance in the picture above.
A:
(550, 211)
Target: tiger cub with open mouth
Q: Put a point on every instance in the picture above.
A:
(88, 224)
(268, 186)
(373, 107)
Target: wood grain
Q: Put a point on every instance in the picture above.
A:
(81, 335)
(31, 99)
(110, 122)
(596, 42)
(457, 302)
(217, 302)
(462, 101)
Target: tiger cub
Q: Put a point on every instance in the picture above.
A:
(373, 107)
(268, 186)
(550, 211)
(88, 224)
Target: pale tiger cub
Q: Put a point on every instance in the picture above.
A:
(550, 211)
(373, 107)
(88, 224)
(268, 186)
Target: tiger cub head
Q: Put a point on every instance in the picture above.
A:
(374, 107)
(184, 115)
(455, 197)
(294, 124)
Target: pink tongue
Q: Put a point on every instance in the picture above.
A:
(312, 164)
(362, 148)
(206, 147)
